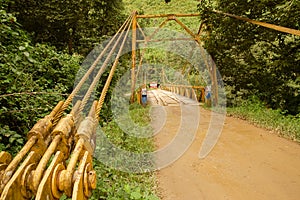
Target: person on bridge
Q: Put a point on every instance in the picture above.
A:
(144, 95)
(208, 95)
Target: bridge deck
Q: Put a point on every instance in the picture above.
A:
(166, 98)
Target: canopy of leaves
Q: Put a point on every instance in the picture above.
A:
(252, 59)
(76, 25)
(33, 78)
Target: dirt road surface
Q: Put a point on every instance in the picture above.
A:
(247, 163)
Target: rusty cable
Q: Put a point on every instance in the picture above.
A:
(108, 80)
(264, 24)
(85, 77)
(103, 67)
(66, 184)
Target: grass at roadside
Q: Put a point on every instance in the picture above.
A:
(257, 113)
(113, 184)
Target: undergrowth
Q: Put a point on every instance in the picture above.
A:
(275, 120)
(113, 184)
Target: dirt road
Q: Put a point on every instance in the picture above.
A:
(247, 163)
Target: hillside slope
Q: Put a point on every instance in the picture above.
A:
(160, 7)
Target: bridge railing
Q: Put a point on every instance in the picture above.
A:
(193, 92)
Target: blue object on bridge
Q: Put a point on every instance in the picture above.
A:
(144, 96)
(208, 92)
(144, 99)
(208, 95)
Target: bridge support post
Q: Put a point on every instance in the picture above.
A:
(134, 26)
(194, 96)
(215, 96)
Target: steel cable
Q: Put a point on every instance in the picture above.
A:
(103, 67)
(84, 78)
(264, 24)
(108, 80)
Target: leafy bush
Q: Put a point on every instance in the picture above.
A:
(33, 78)
(256, 112)
(72, 25)
(252, 59)
(113, 184)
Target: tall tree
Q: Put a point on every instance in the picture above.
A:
(69, 24)
(255, 59)
(33, 78)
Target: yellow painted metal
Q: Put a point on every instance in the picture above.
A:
(185, 86)
(134, 27)
(166, 39)
(157, 29)
(187, 29)
(13, 189)
(37, 174)
(5, 157)
(85, 144)
(264, 24)
(194, 36)
(139, 96)
(30, 175)
(65, 178)
(169, 15)
(81, 189)
(215, 96)
(186, 90)
(26, 192)
(65, 129)
(141, 30)
(12, 167)
(90, 178)
(35, 143)
(48, 186)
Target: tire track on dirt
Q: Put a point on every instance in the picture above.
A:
(247, 163)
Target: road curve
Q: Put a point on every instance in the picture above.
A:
(247, 163)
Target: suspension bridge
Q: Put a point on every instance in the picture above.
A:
(57, 158)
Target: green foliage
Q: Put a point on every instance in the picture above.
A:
(254, 59)
(150, 7)
(255, 111)
(76, 25)
(123, 66)
(33, 78)
(160, 7)
(113, 184)
(120, 185)
(10, 140)
(140, 116)
(169, 59)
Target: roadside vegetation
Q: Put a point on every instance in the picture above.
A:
(260, 67)
(33, 78)
(41, 49)
(114, 184)
(256, 112)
